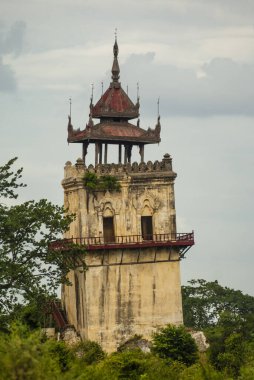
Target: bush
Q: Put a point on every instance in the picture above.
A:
(175, 343)
(103, 183)
(25, 357)
(89, 352)
(134, 365)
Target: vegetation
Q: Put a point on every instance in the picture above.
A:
(227, 318)
(25, 353)
(204, 302)
(29, 268)
(30, 271)
(176, 344)
(103, 183)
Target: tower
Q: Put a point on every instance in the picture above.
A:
(125, 218)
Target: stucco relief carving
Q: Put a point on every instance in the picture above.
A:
(147, 199)
(107, 202)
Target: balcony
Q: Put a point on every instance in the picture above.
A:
(180, 241)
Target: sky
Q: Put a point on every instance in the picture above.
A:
(197, 56)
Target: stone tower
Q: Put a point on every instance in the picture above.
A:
(125, 217)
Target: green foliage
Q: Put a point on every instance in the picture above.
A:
(175, 343)
(62, 354)
(132, 365)
(227, 316)
(29, 355)
(8, 179)
(35, 314)
(89, 352)
(128, 365)
(110, 183)
(202, 371)
(203, 302)
(247, 369)
(91, 181)
(103, 183)
(28, 267)
(130, 344)
(24, 357)
(229, 341)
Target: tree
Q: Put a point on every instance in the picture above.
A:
(227, 317)
(28, 265)
(229, 342)
(175, 343)
(204, 301)
(89, 352)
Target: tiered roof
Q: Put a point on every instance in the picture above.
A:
(114, 109)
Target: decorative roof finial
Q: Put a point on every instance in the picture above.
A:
(101, 88)
(70, 107)
(158, 107)
(115, 67)
(115, 49)
(91, 99)
(137, 92)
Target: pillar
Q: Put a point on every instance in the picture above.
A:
(141, 152)
(106, 154)
(120, 153)
(84, 151)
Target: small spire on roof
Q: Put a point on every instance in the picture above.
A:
(158, 107)
(115, 67)
(137, 92)
(91, 99)
(70, 107)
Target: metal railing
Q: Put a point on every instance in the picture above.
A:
(132, 239)
(170, 238)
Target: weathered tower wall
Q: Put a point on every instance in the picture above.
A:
(127, 290)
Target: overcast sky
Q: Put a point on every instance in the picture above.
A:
(196, 55)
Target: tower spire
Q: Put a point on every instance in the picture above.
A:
(115, 67)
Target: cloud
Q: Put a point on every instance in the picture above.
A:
(220, 86)
(11, 42)
(7, 78)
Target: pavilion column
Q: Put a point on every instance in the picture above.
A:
(96, 153)
(125, 154)
(106, 154)
(84, 151)
(129, 149)
(141, 152)
(120, 153)
(100, 153)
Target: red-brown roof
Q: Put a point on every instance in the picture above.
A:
(114, 131)
(115, 103)
(114, 109)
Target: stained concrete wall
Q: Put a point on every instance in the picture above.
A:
(110, 303)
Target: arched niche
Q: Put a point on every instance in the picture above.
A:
(108, 223)
(147, 209)
(147, 221)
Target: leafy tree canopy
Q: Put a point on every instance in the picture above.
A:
(175, 343)
(227, 316)
(204, 301)
(28, 266)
